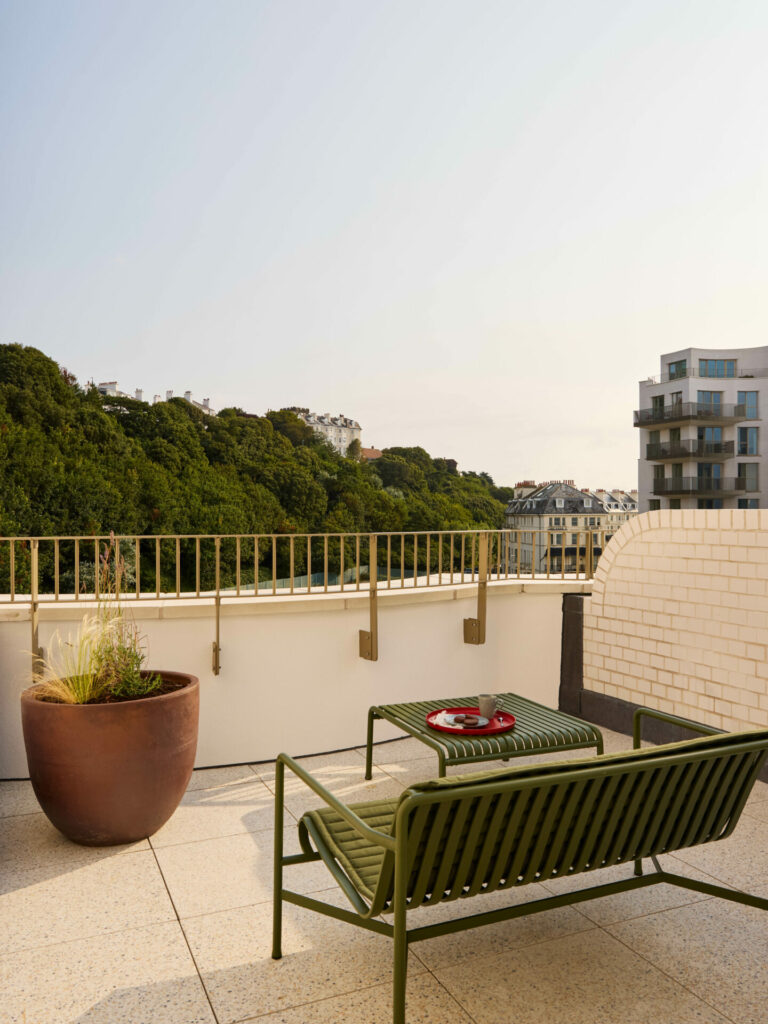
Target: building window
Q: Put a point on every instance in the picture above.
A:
(748, 475)
(749, 400)
(657, 405)
(654, 437)
(559, 502)
(677, 369)
(654, 505)
(587, 503)
(710, 439)
(574, 520)
(717, 367)
(710, 400)
(709, 503)
(658, 472)
(747, 441)
(748, 503)
(676, 398)
(708, 470)
(674, 503)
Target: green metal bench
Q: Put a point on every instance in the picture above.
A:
(455, 838)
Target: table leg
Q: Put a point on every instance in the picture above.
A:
(369, 744)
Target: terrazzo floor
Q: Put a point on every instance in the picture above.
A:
(177, 929)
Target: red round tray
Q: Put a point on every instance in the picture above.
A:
(507, 722)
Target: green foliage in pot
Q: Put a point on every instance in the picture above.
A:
(103, 662)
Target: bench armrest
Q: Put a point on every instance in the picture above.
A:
(371, 834)
(686, 723)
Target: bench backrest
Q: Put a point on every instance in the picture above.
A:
(465, 835)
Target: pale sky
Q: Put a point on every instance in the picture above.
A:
(472, 225)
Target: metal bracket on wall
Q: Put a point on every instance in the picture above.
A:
(369, 638)
(474, 629)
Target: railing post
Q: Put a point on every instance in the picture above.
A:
(369, 638)
(216, 659)
(34, 610)
(474, 629)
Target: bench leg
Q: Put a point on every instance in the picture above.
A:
(277, 892)
(400, 968)
(369, 743)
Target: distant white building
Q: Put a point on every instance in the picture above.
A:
(339, 430)
(109, 389)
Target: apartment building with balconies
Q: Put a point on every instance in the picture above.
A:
(701, 430)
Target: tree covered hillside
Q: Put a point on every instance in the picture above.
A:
(72, 462)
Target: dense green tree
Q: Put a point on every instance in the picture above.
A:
(74, 462)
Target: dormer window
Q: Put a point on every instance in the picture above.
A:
(587, 503)
(559, 502)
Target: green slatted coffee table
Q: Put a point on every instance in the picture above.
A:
(538, 730)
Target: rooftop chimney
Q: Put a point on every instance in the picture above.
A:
(206, 403)
(139, 395)
(168, 396)
(188, 396)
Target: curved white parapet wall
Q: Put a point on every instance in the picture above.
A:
(291, 678)
(678, 618)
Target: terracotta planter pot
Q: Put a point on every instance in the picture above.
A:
(112, 773)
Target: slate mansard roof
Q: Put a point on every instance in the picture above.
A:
(556, 498)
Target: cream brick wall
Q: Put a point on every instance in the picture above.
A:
(678, 618)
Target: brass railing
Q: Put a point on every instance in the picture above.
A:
(223, 568)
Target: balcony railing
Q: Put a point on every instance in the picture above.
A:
(689, 449)
(679, 412)
(703, 485)
(693, 371)
(35, 571)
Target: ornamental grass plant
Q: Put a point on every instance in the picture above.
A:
(103, 662)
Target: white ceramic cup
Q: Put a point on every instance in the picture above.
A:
(487, 704)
